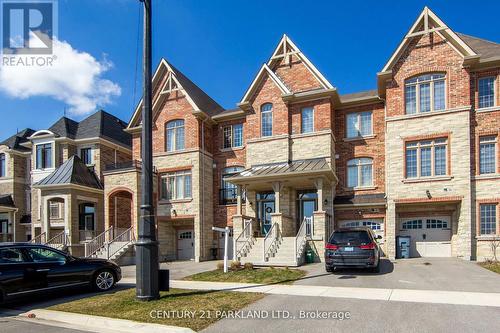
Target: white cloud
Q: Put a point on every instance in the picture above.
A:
(74, 78)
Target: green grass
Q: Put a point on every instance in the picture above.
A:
(123, 305)
(491, 265)
(259, 275)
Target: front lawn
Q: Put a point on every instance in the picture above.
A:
(202, 305)
(491, 265)
(250, 275)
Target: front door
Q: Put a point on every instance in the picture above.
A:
(267, 210)
(307, 205)
(185, 244)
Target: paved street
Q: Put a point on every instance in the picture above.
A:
(366, 316)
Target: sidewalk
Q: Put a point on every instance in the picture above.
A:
(391, 295)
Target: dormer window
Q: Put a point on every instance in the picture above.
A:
(86, 156)
(44, 156)
(425, 93)
(3, 166)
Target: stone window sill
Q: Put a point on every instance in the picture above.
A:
(426, 179)
(358, 138)
(224, 150)
(487, 176)
(361, 188)
(488, 238)
(489, 109)
(166, 202)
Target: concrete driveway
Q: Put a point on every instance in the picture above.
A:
(420, 273)
(178, 269)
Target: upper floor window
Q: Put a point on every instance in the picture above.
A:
(425, 93)
(266, 112)
(360, 172)
(359, 124)
(488, 219)
(232, 136)
(486, 92)
(487, 154)
(86, 155)
(228, 191)
(426, 158)
(3, 166)
(175, 135)
(55, 210)
(44, 156)
(307, 120)
(176, 185)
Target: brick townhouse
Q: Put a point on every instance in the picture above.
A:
(416, 157)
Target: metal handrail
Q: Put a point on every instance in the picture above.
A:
(301, 239)
(126, 237)
(94, 245)
(59, 241)
(245, 237)
(273, 241)
(40, 239)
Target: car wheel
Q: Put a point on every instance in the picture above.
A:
(329, 269)
(104, 280)
(376, 269)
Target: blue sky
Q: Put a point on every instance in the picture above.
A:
(220, 45)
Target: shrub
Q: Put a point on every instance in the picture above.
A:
(235, 265)
(220, 266)
(248, 265)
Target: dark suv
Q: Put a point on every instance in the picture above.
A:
(352, 247)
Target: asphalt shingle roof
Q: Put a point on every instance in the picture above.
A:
(14, 142)
(358, 95)
(487, 49)
(73, 171)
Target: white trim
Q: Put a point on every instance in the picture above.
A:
(264, 69)
(441, 28)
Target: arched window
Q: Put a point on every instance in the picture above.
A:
(360, 172)
(175, 135)
(425, 93)
(266, 112)
(3, 166)
(228, 192)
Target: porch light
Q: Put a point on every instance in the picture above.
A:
(428, 194)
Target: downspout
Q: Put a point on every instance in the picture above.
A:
(202, 209)
(385, 163)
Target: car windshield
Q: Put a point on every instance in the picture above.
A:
(351, 237)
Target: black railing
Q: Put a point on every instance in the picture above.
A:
(229, 196)
(134, 164)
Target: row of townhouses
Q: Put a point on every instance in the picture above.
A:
(418, 156)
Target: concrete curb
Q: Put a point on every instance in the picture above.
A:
(103, 324)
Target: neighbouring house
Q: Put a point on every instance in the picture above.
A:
(417, 159)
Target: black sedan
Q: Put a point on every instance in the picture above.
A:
(352, 247)
(29, 268)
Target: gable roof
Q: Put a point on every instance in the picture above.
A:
(264, 70)
(428, 22)
(15, 141)
(485, 48)
(74, 172)
(100, 124)
(199, 100)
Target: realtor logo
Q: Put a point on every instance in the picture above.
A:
(28, 27)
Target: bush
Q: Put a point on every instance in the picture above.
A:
(220, 266)
(248, 265)
(235, 265)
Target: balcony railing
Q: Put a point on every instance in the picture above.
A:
(229, 196)
(134, 164)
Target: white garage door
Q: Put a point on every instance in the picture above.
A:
(185, 244)
(430, 236)
(376, 225)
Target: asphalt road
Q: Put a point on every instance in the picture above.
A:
(366, 316)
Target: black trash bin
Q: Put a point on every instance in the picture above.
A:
(163, 279)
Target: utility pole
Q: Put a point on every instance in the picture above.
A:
(147, 287)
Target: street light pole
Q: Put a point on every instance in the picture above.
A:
(146, 246)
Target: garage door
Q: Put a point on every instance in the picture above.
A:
(376, 225)
(185, 244)
(430, 236)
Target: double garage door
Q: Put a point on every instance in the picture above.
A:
(430, 236)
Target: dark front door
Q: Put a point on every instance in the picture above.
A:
(265, 203)
(307, 205)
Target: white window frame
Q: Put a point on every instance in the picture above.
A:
(495, 150)
(56, 205)
(52, 155)
(165, 177)
(175, 130)
(232, 136)
(495, 228)
(358, 116)
(302, 118)
(494, 91)
(92, 162)
(4, 166)
(359, 165)
(262, 112)
(431, 89)
(417, 146)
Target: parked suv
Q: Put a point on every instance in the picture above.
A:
(352, 247)
(28, 268)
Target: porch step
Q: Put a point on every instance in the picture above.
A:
(284, 256)
(119, 247)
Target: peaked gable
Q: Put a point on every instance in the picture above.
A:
(426, 23)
